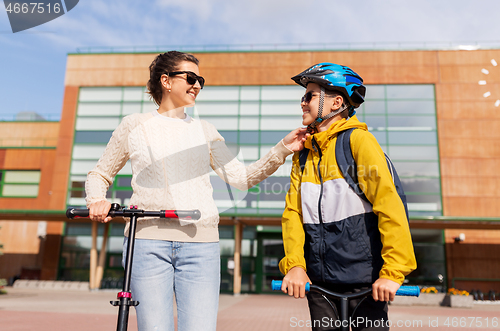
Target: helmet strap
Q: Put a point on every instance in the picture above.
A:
(319, 119)
(312, 126)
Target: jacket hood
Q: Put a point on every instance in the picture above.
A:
(344, 124)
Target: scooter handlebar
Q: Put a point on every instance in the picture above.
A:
(413, 291)
(72, 213)
(75, 213)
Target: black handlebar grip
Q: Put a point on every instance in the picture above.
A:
(74, 212)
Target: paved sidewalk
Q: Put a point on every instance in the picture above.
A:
(44, 310)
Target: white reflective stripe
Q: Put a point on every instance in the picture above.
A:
(338, 202)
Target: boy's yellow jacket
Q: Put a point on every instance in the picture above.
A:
(327, 227)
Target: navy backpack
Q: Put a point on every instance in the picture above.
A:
(347, 166)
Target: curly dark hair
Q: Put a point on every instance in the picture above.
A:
(162, 64)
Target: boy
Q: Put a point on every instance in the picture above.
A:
(332, 236)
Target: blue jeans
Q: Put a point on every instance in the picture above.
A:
(190, 270)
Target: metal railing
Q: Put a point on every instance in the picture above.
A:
(340, 46)
(32, 117)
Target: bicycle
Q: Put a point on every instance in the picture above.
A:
(125, 296)
(345, 298)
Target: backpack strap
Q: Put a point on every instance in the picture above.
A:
(346, 162)
(303, 158)
(398, 184)
(347, 165)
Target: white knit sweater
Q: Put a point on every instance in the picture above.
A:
(171, 160)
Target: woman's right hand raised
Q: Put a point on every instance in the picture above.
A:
(98, 211)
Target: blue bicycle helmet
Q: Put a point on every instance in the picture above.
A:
(335, 77)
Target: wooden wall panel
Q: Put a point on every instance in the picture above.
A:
(479, 129)
(255, 68)
(64, 146)
(468, 109)
(466, 58)
(19, 237)
(471, 186)
(470, 167)
(28, 134)
(473, 236)
(2, 157)
(479, 206)
(467, 147)
(467, 92)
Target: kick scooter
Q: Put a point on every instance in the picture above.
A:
(125, 296)
(345, 298)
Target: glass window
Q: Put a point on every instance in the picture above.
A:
(401, 153)
(249, 123)
(217, 108)
(249, 137)
(10, 190)
(85, 137)
(133, 93)
(123, 181)
(99, 109)
(413, 138)
(374, 92)
(100, 94)
(410, 91)
(381, 137)
(83, 152)
(282, 93)
(250, 152)
(230, 136)
(222, 123)
(374, 107)
(284, 123)
(411, 107)
(81, 167)
(249, 108)
(272, 137)
(131, 108)
(148, 107)
(281, 108)
(252, 119)
(219, 93)
(19, 183)
(375, 121)
(250, 93)
(21, 176)
(100, 124)
(422, 185)
(423, 122)
(417, 169)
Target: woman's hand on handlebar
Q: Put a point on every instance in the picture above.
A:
(99, 210)
(384, 289)
(295, 282)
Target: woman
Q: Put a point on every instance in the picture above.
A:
(171, 156)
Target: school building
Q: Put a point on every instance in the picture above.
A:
(436, 113)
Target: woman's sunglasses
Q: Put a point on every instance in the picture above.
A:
(191, 77)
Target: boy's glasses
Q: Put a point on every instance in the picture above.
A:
(307, 97)
(191, 77)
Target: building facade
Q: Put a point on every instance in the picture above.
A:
(435, 113)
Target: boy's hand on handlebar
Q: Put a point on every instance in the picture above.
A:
(295, 282)
(384, 289)
(99, 210)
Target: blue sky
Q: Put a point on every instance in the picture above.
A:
(33, 62)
